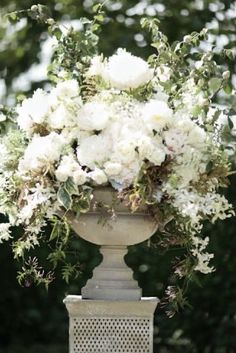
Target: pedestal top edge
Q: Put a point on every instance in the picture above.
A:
(71, 299)
(78, 307)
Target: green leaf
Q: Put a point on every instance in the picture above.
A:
(68, 271)
(55, 230)
(71, 187)
(214, 84)
(228, 88)
(64, 198)
(56, 256)
(230, 123)
(209, 167)
(12, 17)
(97, 8)
(228, 53)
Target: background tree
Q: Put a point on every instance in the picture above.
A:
(33, 320)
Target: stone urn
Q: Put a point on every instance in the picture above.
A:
(112, 279)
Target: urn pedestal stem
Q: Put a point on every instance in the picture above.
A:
(112, 279)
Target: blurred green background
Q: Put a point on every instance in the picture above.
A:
(34, 320)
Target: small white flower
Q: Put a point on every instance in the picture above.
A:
(5, 233)
(124, 71)
(163, 73)
(2, 117)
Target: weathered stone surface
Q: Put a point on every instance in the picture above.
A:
(101, 326)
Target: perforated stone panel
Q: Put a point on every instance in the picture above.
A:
(111, 335)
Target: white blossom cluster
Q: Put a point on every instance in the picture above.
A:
(109, 140)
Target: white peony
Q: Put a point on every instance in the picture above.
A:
(96, 67)
(33, 110)
(156, 115)
(125, 71)
(42, 151)
(93, 116)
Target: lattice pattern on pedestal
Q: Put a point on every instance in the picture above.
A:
(110, 335)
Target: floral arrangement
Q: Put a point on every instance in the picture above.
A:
(147, 128)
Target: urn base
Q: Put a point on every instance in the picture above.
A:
(112, 279)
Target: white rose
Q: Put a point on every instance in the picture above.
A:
(112, 168)
(125, 151)
(124, 71)
(98, 176)
(79, 176)
(93, 116)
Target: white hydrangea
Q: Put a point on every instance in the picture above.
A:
(127, 175)
(93, 116)
(125, 71)
(151, 149)
(94, 150)
(156, 115)
(41, 152)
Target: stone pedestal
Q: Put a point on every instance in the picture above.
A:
(108, 326)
